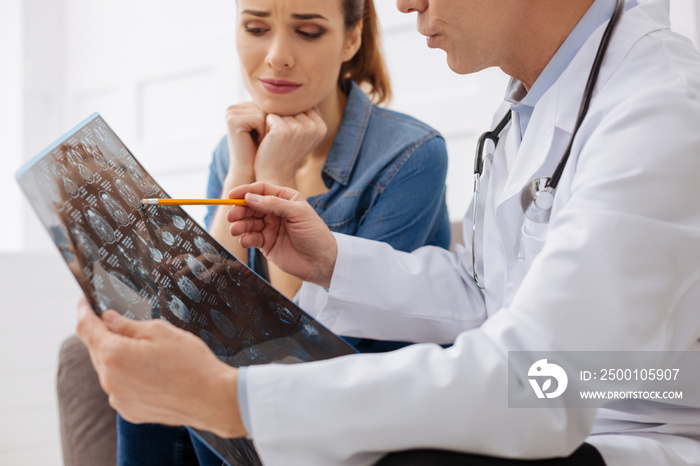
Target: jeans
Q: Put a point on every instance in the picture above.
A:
(149, 444)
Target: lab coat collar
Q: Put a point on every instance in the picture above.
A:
(554, 116)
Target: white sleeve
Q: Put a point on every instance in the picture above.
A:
(381, 293)
(351, 410)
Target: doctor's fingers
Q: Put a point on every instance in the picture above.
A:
(265, 189)
(246, 226)
(288, 211)
(253, 240)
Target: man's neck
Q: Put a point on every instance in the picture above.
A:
(545, 27)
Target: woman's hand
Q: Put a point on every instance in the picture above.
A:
(245, 128)
(286, 229)
(287, 141)
(155, 372)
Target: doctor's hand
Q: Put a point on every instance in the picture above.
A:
(288, 231)
(154, 372)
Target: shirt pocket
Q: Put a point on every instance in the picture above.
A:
(532, 236)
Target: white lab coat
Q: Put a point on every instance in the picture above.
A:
(619, 269)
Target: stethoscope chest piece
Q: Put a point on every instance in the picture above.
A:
(537, 199)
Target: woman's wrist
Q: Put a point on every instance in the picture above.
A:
(277, 179)
(236, 178)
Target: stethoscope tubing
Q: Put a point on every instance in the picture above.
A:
(551, 183)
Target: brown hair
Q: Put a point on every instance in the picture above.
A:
(367, 67)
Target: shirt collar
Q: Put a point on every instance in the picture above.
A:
(351, 133)
(524, 102)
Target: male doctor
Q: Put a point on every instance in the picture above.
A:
(616, 268)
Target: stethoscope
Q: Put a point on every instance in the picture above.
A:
(537, 197)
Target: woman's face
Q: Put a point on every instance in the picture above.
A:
(291, 51)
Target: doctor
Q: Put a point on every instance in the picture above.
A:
(614, 267)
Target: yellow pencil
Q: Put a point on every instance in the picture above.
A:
(193, 202)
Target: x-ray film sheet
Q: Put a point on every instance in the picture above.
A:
(156, 262)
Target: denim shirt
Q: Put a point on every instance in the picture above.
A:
(385, 174)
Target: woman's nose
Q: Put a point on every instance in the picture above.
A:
(280, 54)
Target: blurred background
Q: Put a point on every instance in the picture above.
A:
(162, 75)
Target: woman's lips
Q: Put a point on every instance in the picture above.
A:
(276, 86)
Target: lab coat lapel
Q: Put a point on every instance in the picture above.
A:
(554, 117)
(551, 125)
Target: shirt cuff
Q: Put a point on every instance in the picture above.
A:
(243, 397)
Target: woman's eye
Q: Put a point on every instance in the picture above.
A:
(310, 34)
(255, 28)
(255, 31)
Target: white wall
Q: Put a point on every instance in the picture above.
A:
(685, 19)
(11, 122)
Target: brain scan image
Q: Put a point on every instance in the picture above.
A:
(214, 344)
(284, 314)
(311, 333)
(190, 289)
(207, 249)
(97, 156)
(100, 225)
(60, 171)
(156, 255)
(179, 309)
(198, 269)
(127, 256)
(114, 209)
(86, 246)
(70, 187)
(127, 194)
(223, 324)
(229, 297)
(168, 238)
(179, 222)
(139, 180)
(76, 160)
(84, 172)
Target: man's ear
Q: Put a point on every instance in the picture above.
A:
(353, 43)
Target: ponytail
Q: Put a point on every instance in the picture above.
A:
(367, 67)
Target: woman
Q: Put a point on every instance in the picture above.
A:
(311, 127)
(307, 128)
